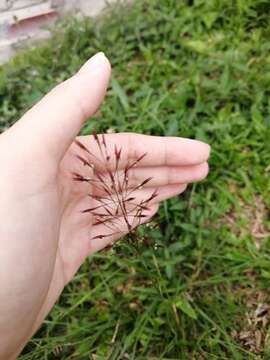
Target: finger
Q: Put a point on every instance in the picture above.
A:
(160, 175)
(134, 198)
(53, 123)
(163, 193)
(160, 151)
(102, 236)
(168, 175)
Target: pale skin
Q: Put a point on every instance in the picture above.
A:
(44, 238)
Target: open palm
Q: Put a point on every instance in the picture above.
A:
(44, 236)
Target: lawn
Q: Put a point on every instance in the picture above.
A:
(192, 68)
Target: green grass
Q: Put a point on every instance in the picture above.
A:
(199, 69)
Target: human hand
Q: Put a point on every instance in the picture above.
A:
(44, 237)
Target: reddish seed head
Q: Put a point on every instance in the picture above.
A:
(117, 204)
(104, 141)
(117, 153)
(78, 177)
(135, 163)
(96, 138)
(100, 237)
(108, 211)
(152, 197)
(78, 143)
(91, 209)
(130, 199)
(146, 181)
(84, 161)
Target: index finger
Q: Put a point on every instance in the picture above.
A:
(159, 150)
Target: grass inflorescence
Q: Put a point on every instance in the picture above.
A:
(117, 207)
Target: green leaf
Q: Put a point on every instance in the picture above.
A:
(209, 18)
(120, 93)
(257, 118)
(183, 305)
(172, 128)
(198, 46)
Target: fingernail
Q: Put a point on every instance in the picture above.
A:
(209, 150)
(95, 62)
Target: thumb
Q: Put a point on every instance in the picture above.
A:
(56, 119)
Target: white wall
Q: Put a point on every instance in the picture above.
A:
(13, 13)
(89, 7)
